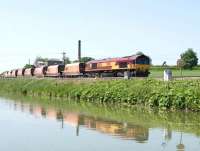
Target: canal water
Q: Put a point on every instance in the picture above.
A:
(34, 125)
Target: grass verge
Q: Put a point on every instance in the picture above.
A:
(174, 95)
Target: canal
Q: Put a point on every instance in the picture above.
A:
(47, 125)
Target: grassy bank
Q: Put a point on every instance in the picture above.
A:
(158, 72)
(176, 73)
(149, 93)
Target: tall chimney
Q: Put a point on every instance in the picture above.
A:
(79, 50)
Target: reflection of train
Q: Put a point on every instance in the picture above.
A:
(122, 130)
(137, 65)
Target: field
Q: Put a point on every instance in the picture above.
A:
(158, 72)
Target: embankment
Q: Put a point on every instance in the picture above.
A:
(173, 95)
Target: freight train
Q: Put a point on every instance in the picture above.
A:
(136, 65)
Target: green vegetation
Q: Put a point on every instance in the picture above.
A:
(157, 71)
(189, 58)
(84, 59)
(150, 93)
(188, 62)
(176, 73)
(28, 66)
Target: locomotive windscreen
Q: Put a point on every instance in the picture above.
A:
(143, 60)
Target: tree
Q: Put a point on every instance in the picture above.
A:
(39, 59)
(28, 66)
(181, 64)
(67, 60)
(85, 59)
(190, 58)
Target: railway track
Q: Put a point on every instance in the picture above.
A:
(104, 78)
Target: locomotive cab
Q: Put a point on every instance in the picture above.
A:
(142, 65)
(142, 60)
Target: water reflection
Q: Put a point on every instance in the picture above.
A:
(180, 146)
(167, 136)
(116, 129)
(137, 129)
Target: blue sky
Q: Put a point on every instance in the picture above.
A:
(107, 28)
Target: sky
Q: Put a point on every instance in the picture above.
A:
(162, 29)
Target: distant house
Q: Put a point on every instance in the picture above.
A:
(54, 62)
(40, 63)
(48, 62)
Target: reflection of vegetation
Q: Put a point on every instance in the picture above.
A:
(180, 121)
(151, 93)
